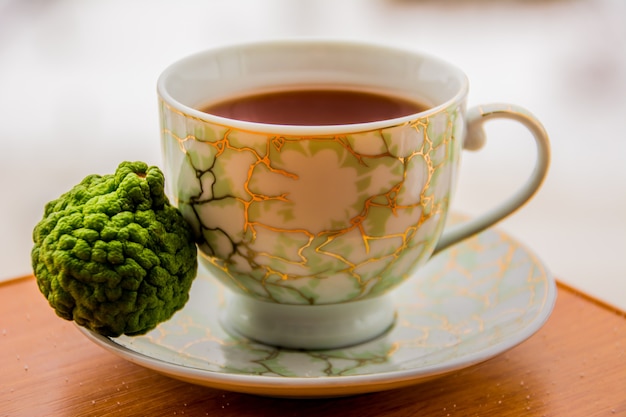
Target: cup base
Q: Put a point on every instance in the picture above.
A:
(327, 326)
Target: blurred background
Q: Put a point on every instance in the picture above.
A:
(77, 96)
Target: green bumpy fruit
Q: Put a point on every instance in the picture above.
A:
(113, 255)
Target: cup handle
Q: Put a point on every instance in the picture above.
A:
(474, 140)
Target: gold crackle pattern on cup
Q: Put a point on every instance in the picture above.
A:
(315, 219)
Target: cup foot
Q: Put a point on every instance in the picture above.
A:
(327, 326)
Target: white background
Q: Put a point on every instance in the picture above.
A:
(77, 96)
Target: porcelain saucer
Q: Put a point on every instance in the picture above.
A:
(470, 303)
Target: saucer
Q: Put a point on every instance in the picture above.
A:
(468, 304)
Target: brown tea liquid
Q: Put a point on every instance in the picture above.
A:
(314, 107)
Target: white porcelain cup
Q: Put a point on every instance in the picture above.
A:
(310, 227)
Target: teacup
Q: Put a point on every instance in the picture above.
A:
(310, 226)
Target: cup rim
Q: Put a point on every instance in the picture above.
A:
(307, 130)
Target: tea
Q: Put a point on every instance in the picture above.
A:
(313, 107)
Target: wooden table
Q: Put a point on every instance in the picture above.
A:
(574, 366)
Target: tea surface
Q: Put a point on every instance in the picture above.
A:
(314, 107)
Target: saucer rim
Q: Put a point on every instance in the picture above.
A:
(342, 385)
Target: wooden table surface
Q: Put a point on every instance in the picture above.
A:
(574, 366)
